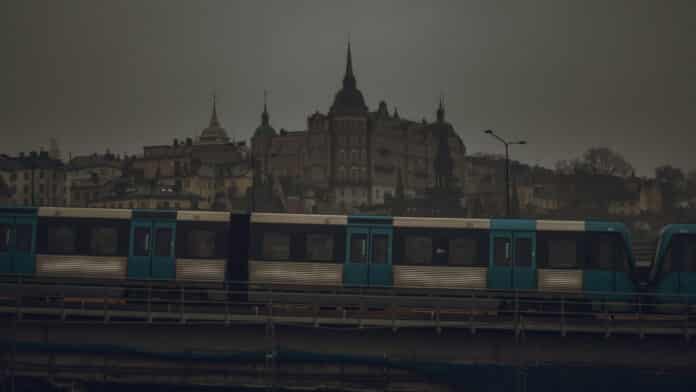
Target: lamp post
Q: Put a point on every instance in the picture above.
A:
(507, 166)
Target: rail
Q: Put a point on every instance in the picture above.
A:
(115, 302)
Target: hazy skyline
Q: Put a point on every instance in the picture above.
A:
(565, 76)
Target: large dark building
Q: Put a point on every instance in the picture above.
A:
(351, 157)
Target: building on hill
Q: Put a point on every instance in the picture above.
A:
(87, 175)
(33, 179)
(348, 158)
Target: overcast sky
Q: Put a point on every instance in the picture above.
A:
(563, 75)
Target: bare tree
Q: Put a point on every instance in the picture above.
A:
(597, 161)
(602, 160)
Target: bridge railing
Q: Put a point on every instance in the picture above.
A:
(233, 302)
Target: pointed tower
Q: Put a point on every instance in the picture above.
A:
(215, 133)
(213, 116)
(349, 100)
(265, 129)
(441, 110)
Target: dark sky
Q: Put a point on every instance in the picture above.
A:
(563, 75)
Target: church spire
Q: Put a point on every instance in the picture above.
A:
(213, 117)
(264, 115)
(441, 110)
(349, 78)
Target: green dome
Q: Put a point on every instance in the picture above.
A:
(264, 130)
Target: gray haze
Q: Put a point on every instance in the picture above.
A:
(563, 75)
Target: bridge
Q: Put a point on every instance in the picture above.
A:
(332, 338)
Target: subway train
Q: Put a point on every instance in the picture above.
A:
(673, 271)
(325, 250)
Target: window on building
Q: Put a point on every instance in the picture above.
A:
(104, 241)
(13, 177)
(418, 250)
(41, 188)
(320, 247)
(41, 174)
(26, 176)
(276, 246)
(26, 189)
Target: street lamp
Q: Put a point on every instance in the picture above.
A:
(507, 167)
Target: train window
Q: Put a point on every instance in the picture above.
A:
(380, 248)
(501, 251)
(358, 248)
(667, 261)
(418, 250)
(61, 239)
(141, 241)
(320, 247)
(276, 246)
(620, 256)
(690, 255)
(24, 235)
(5, 232)
(603, 253)
(680, 255)
(200, 243)
(163, 246)
(463, 251)
(562, 253)
(523, 252)
(104, 241)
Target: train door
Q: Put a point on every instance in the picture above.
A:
(380, 271)
(6, 243)
(512, 263)
(356, 266)
(687, 274)
(17, 245)
(368, 253)
(151, 253)
(23, 259)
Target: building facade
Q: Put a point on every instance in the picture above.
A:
(86, 176)
(350, 157)
(33, 179)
